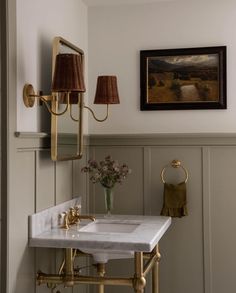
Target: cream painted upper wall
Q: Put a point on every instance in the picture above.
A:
(38, 22)
(117, 34)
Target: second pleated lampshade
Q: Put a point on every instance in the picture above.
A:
(107, 90)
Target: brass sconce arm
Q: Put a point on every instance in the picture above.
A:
(92, 112)
(71, 116)
(51, 111)
(29, 99)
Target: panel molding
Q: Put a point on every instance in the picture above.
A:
(53, 182)
(207, 237)
(206, 143)
(146, 179)
(187, 139)
(41, 139)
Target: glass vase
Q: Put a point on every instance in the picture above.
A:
(108, 192)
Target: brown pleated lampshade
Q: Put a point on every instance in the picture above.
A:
(107, 91)
(68, 74)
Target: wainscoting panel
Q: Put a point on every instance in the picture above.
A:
(21, 258)
(223, 218)
(80, 181)
(45, 176)
(45, 197)
(128, 197)
(198, 251)
(64, 181)
(177, 245)
(40, 183)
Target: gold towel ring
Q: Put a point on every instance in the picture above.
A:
(174, 164)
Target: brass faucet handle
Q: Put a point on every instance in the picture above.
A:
(65, 223)
(72, 216)
(77, 209)
(72, 212)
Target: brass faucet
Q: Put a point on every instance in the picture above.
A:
(73, 217)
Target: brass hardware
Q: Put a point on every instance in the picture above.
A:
(64, 217)
(174, 164)
(54, 134)
(68, 277)
(59, 42)
(86, 217)
(150, 264)
(106, 93)
(155, 271)
(101, 272)
(139, 282)
(69, 269)
(93, 114)
(28, 95)
(59, 279)
(73, 217)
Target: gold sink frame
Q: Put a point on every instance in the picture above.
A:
(69, 276)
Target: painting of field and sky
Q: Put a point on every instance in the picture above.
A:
(186, 79)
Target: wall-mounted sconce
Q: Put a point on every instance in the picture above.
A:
(68, 82)
(68, 78)
(106, 93)
(68, 87)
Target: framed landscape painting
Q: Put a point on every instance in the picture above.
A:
(191, 78)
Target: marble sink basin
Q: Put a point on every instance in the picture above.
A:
(106, 226)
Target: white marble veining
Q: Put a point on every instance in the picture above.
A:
(44, 232)
(118, 236)
(48, 219)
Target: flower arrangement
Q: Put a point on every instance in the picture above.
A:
(108, 172)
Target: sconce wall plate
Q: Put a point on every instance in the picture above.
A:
(28, 95)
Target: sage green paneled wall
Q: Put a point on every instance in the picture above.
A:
(222, 218)
(39, 183)
(124, 193)
(198, 250)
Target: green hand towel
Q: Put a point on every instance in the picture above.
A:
(175, 201)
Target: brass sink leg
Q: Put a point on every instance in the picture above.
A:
(139, 281)
(69, 277)
(69, 269)
(101, 272)
(155, 272)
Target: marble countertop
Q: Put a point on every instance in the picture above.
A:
(144, 237)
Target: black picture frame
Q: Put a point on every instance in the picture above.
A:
(182, 79)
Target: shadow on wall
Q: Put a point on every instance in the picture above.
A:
(45, 78)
